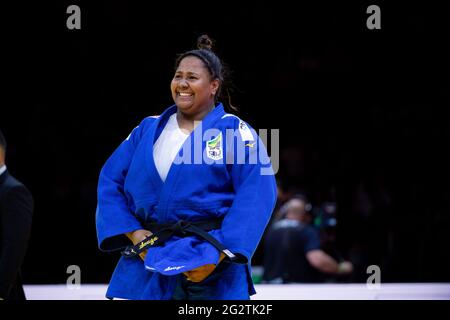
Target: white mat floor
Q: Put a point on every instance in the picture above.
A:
(412, 291)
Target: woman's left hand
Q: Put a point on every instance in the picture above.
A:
(201, 273)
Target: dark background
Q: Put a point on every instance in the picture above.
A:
(362, 115)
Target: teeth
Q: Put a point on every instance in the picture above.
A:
(183, 94)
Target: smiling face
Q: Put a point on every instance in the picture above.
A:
(193, 90)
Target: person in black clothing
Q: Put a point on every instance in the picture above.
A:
(293, 249)
(16, 207)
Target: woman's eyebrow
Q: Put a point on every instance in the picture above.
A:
(187, 72)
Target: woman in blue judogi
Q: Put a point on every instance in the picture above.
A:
(187, 195)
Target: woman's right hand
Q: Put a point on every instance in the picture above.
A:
(137, 236)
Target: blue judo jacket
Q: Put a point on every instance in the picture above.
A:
(222, 171)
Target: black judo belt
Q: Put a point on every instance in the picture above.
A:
(162, 232)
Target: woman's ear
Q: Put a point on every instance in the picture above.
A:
(215, 86)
